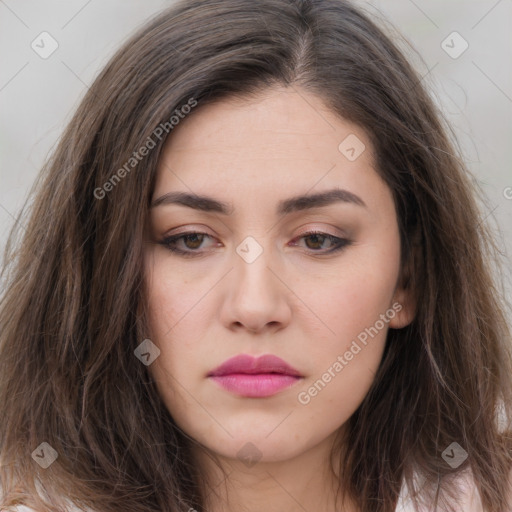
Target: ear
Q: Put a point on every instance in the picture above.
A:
(405, 297)
(404, 304)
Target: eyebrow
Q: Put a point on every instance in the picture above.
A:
(293, 204)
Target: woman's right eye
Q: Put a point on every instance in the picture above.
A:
(192, 239)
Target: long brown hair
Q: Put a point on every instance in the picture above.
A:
(74, 308)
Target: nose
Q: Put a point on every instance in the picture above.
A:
(257, 299)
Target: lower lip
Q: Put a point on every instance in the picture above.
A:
(255, 386)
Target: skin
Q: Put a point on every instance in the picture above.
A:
(291, 301)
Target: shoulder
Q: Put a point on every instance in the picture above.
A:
(469, 497)
(24, 508)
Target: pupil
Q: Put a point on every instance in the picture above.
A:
(195, 243)
(316, 237)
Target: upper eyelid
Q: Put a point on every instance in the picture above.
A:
(312, 231)
(204, 231)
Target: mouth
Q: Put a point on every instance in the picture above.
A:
(252, 377)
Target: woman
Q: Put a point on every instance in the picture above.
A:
(255, 278)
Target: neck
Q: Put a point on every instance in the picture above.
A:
(304, 481)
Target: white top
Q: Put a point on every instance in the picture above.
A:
(470, 500)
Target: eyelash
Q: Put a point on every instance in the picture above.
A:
(169, 241)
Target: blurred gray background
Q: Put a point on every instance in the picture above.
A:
(463, 51)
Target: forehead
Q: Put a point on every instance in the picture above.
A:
(276, 121)
(281, 143)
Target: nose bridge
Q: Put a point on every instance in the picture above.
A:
(251, 264)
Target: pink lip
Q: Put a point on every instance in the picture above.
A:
(247, 376)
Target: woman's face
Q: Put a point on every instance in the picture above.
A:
(253, 282)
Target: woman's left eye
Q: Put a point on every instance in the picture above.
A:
(192, 241)
(318, 238)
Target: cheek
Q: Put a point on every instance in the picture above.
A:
(170, 314)
(363, 290)
(165, 308)
(179, 310)
(344, 365)
(173, 296)
(355, 315)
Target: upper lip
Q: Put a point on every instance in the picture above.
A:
(245, 363)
